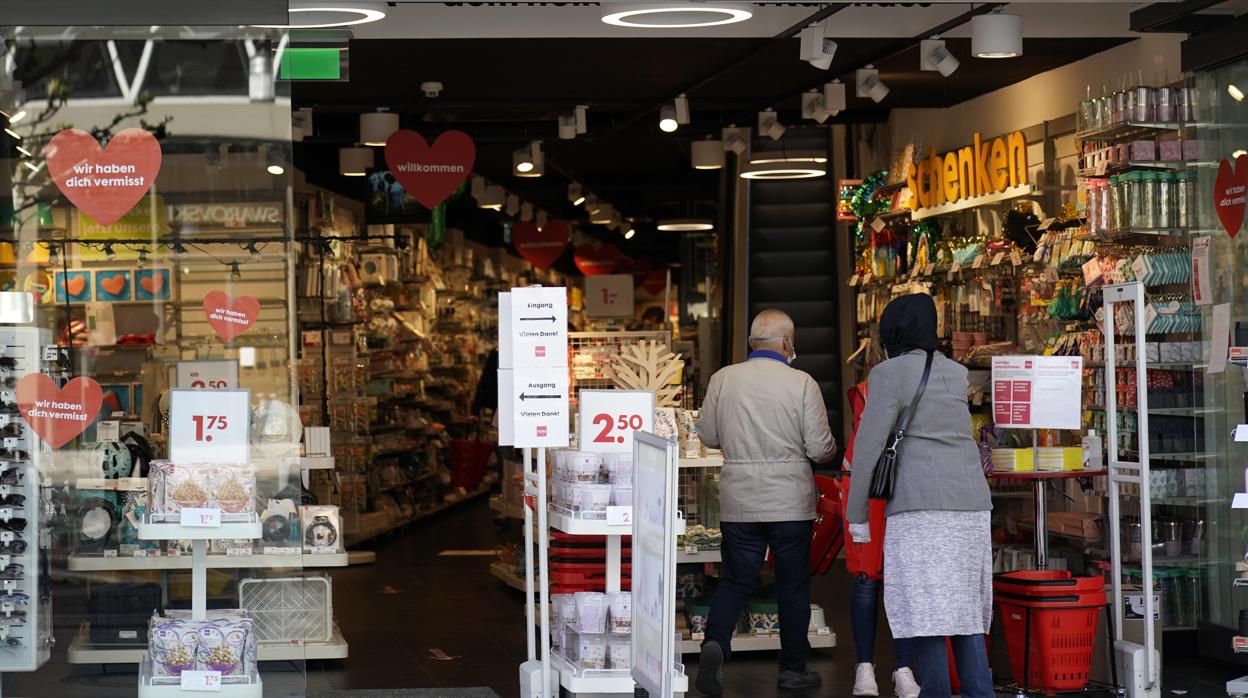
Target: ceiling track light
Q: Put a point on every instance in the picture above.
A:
(707, 154)
(997, 36)
(541, 219)
(576, 194)
(355, 161)
(476, 187)
(667, 118)
(834, 97)
(513, 205)
(604, 214)
(526, 212)
(1231, 89)
(935, 56)
(529, 162)
(631, 232)
(682, 109)
(870, 85)
(582, 119)
(236, 273)
(769, 124)
(493, 196)
(567, 127)
(816, 49)
(673, 14)
(275, 162)
(813, 106)
(733, 140)
(377, 126)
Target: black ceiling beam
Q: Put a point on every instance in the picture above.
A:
(1167, 16)
(1216, 47)
(890, 50)
(823, 13)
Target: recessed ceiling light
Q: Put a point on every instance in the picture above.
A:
(676, 15)
(997, 36)
(685, 225)
(325, 16)
(783, 170)
(788, 156)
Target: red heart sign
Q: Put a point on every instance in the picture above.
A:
(230, 318)
(58, 415)
(430, 173)
(655, 282)
(152, 284)
(593, 261)
(1230, 193)
(74, 285)
(541, 247)
(114, 284)
(104, 183)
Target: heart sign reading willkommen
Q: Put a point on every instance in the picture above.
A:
(1230, 193)
(58, 415)
(430, 173)
(105, 183)
(541, 246)
(230, 317)
(596, 259)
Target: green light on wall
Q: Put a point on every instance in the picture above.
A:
(311, 64)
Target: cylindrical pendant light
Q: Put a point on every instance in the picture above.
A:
(355, 161)
(708, 154)
(997, 36)
(376, 127)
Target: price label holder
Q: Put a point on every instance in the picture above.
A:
(202, 681)
(824, 631)
(287, 551)
(927, 271)
(1015, 258)
(236, 551)
(108, 431)
(979, 262)
(997, 258)
(853, 280)
(761, 632)
(322, 550)
(201, 518)
(209, 426)
(691, 550)
(51, 352)
(138, 552)
(109, 554)
(619, 516)
(608, 419)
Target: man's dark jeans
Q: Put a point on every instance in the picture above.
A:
(744, 550)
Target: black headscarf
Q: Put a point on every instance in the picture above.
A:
(909, 323)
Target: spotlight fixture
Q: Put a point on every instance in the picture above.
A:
(685, 225)
(567, 127)
(834, 97)
(1231, 89)
(541, 219)
(783, 170)
(142, 262)
(708, 154)
(177, 249)
(816, 49)
(813, 106)
(275, 162)
(492, 197)
(682, 109)
(253, 253)
(675, 14)
(997, 36)
(32, 166)
(869, 84)
(17, 116)
(667, 118)
(576, 194)
(235, 273)
(431, 89)
(591, 204)
(23, 151)
(769, 124)
(326, 16)
(376, 127)
(529, 161)
(632, 231)
(526, 212)
(513, 205)
(13, 133)
(733, 140)
(476, 187)
(603, 215)
(521, 161)
(354, 161)
(109, 254)
(582, 120)
(934, 55)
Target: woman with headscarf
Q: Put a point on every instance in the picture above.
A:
(938, 551)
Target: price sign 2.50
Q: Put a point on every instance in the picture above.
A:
(609, 418)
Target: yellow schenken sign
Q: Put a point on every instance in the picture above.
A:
(985, 167)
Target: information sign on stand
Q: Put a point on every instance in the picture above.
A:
(609, 418)
(609, 295)
(539, 327)
(539, 359)
(539, 405)
(1037, 392)
(654, 563)
(209, 426)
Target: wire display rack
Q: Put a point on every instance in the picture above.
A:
(590, 353)
(697, 495)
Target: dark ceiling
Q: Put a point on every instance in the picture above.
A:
(507, 92)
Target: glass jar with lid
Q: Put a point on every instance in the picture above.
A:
(1148, 199)
(1184, 193)
(1165, 199)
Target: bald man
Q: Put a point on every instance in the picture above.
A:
(770, 421)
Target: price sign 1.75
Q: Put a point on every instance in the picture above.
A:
(209, 426)
(608, 419)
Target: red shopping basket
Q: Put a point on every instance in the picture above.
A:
(1049, 637)
(1046, 583)
(828, 531)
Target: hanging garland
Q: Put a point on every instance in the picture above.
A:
(864, 205)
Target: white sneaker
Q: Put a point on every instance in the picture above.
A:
(864, 680)
(904, 684)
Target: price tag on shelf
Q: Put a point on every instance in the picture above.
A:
(203, 681)
(322, 550)
(1046, 224)
(110, 553)
(996, 259)
(691, 550)
(281, 550)
(824, 631)
(878, 224)
(927, 270)
(853, 280)
(108, 431)
(760, 632)
(51, 352)
(209, 426)
(207, 375)
(138, 553)
(619, 516)
(979, 262)
(201, 518)
(235, 551)
(11, 442)
(697, 636)
(1015, 258)
(608, 419)
(1100, 168)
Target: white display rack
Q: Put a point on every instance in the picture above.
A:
(99, 563)
(82, 651)
(684, 556)
(507, 575)
(594, 527)
(147, 689)
(228, 530)
(762, 643)
(709, 461)
(582, 682)
(316, 462)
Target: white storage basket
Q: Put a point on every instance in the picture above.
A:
(289, 608)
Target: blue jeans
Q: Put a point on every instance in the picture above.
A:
(744, 550)
(863, 612)
(970, 655)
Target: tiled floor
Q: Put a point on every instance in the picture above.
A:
(416, 620)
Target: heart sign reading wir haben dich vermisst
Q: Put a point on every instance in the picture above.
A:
(58, 415)
(430, 173)
(1230, 193)
(104, 183)
(230, 317)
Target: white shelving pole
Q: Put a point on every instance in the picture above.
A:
(1137, 665)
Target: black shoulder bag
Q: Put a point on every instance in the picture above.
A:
(884, 479)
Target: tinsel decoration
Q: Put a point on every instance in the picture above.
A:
(864, 205)
(435, 235)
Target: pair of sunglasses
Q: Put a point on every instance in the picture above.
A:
(14, 571)
(14, 547)
(13, 500)
(12, 429)
(8, 363)
(16, 597)
(14, 525)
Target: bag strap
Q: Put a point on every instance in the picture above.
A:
(903, 423)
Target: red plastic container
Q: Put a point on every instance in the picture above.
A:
(1058, 654)
(1045, 583)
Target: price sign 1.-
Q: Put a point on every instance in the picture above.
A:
(205, 681)
(209, 426)
(210, 375)
(201, 518)
(609, 418)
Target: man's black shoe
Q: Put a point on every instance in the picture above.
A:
(711, 670)
(797, 679)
